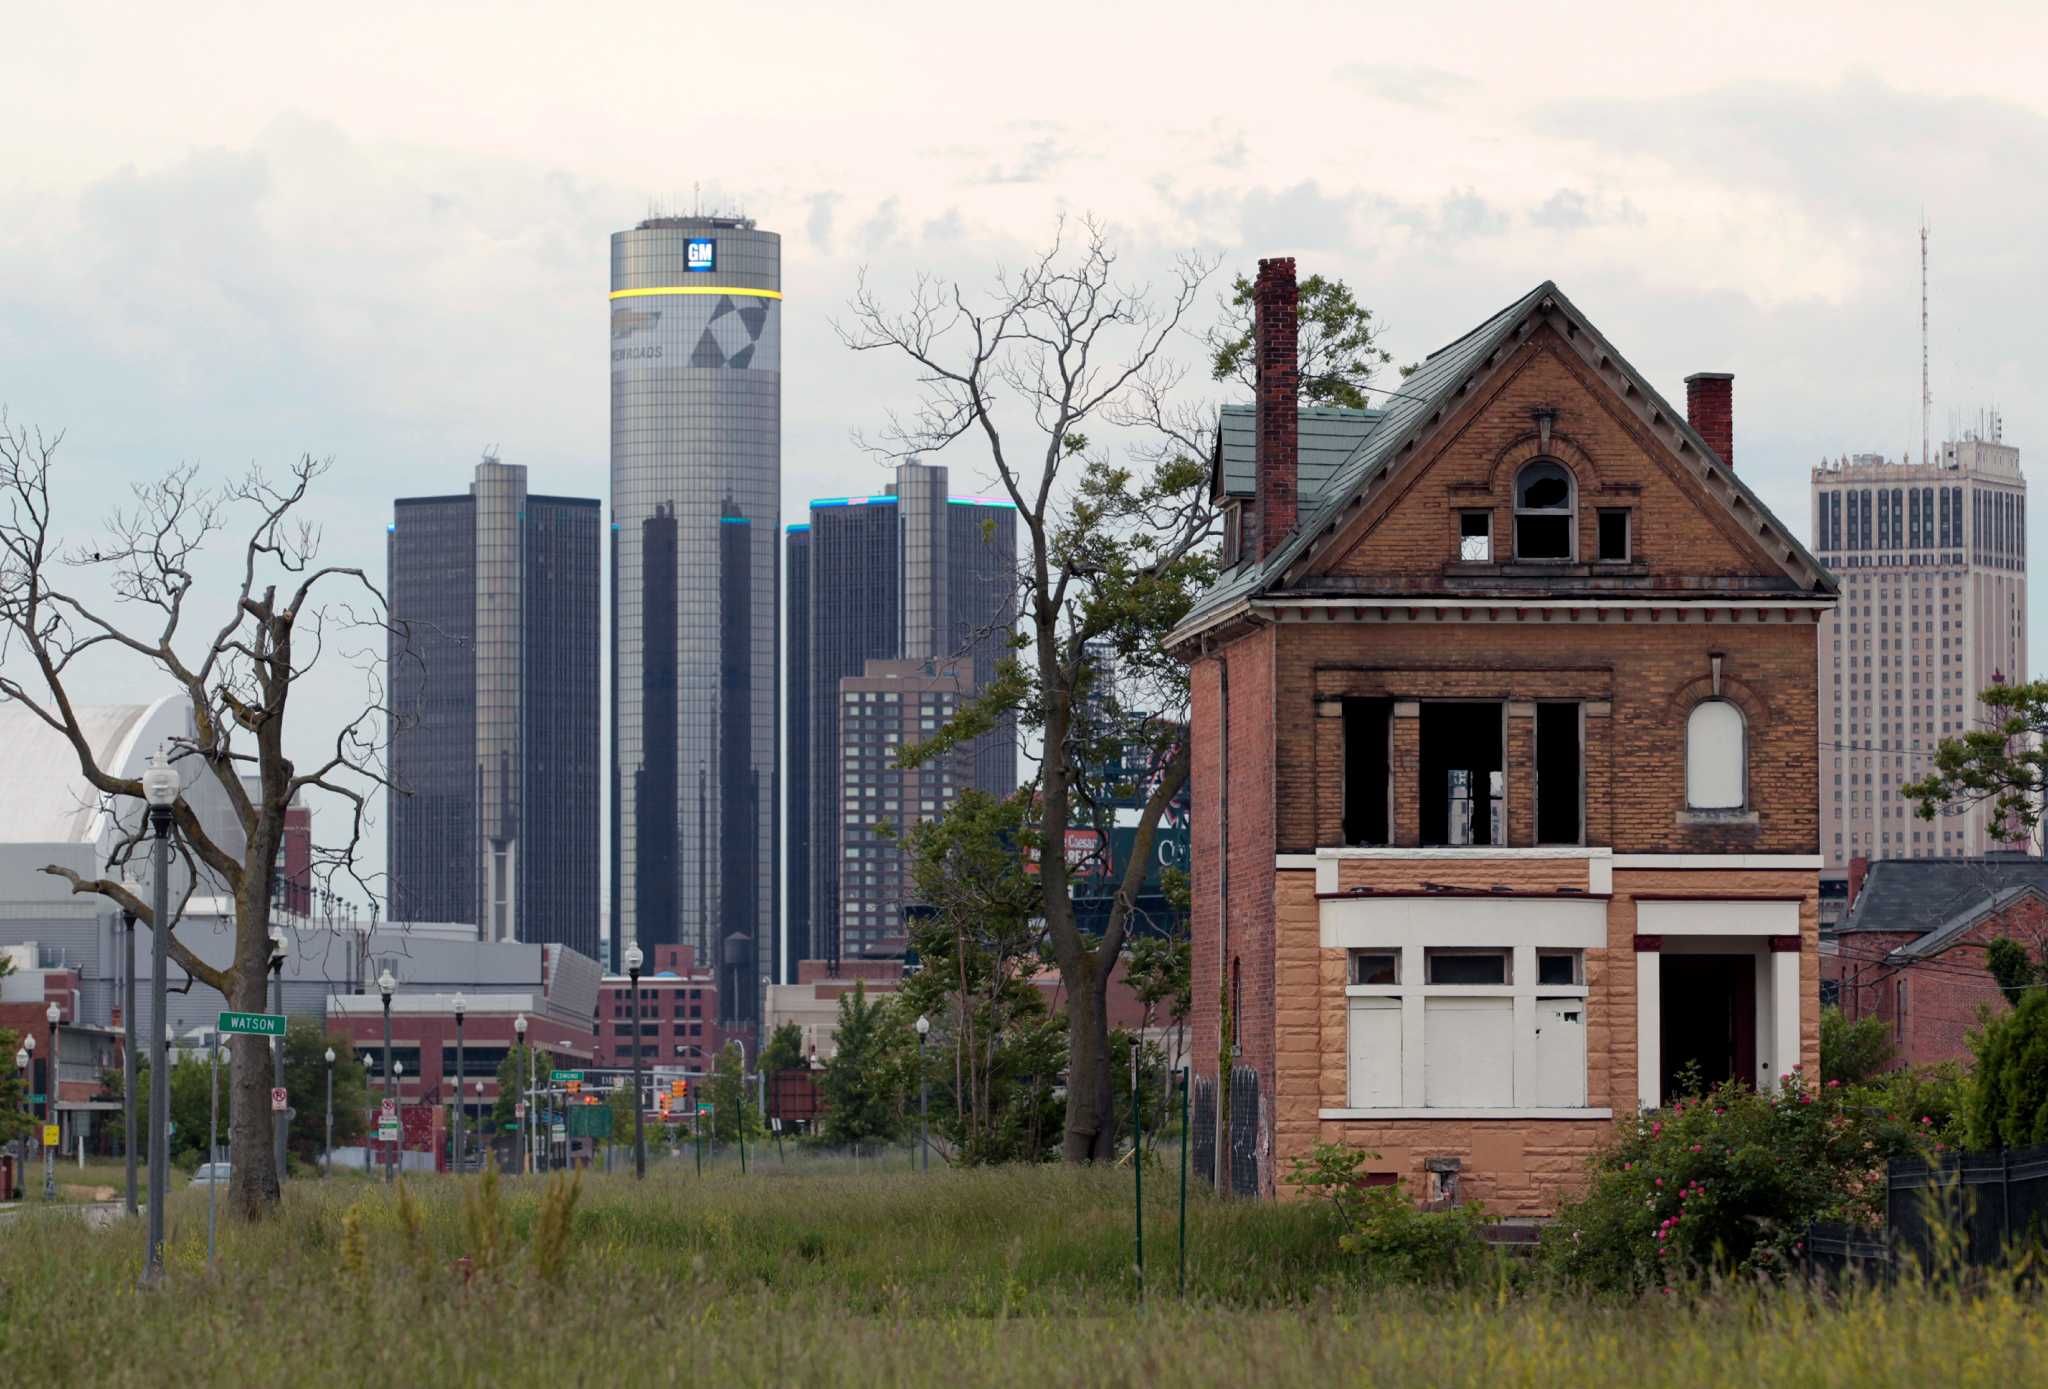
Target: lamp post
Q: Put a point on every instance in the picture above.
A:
(924, 1110)
(133, 890)
(483, 1149)
(21, 1064)
(160, 791)
(279, 1121)
(54, 1014)
(385, 984)
(460, 1005)
(327, 1164)
(634, 959)
(526, 1093)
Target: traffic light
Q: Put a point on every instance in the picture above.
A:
(574, 1086)
(679, 1088)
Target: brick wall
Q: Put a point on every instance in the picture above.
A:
(1945, 995)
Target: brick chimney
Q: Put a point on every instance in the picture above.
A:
(1275, 328)
(1710, 410)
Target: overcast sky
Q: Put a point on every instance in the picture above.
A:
(235, 233)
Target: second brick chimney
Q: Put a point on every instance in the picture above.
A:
(1710, 410)
(1275, 330)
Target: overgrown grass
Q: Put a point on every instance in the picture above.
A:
(958, 1278)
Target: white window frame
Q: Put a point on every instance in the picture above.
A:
(1715, 755)
(1410, 927)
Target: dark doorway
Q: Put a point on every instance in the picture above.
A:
(1365, 770)
(1461, 774)
(1709, 1010)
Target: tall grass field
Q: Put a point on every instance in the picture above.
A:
(815, 1274)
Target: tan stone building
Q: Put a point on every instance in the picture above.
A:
(1504, 763)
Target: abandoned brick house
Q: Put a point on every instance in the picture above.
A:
(1504, 790)
(1911, 949)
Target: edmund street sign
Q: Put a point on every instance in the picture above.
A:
(252, 1024)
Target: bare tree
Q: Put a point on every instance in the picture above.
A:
(236, 670)
(1114, 553)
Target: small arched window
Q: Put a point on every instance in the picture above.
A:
(1544, 512)
(1716, 760)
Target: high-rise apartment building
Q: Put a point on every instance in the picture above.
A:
(887, 707)
(1932, 561)
(696, 478)
(913, 575)
(493, 705)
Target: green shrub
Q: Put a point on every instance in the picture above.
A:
(1723, 1182)
(2009, 1097)
(1382, 1228)
(1904, 1111)
(1853, 1052)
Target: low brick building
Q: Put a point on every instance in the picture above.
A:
(1504, 785)
(1910, 949)
(678, 1015)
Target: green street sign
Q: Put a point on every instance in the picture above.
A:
(562, 1076)
(252, 1024)
(37, 1098)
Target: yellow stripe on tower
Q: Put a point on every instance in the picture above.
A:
(697, 289)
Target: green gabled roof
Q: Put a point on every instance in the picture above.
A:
(1414, 408)
(1328, 436)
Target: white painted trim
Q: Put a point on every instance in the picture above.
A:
(1600, 875)
(1717, 918)
(1448, 1113)
(1370, 922)
(1478, 855)
(1294, 860)
(1649, 1028)
(1801, 862)
(1785, 998)
(1465, 990)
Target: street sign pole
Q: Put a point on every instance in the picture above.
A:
(213, 1151)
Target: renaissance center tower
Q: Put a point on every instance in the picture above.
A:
(696, 483)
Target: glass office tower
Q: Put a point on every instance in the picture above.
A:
(796, 833)
(494, 710)
(696, 478)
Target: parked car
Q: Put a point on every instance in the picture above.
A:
(212, 1173)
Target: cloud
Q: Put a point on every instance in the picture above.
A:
(1033, 163)
(1570, 210)
(818, 225)
(1428, 88)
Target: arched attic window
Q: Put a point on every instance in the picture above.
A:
(1716, 757)
(1546, 513)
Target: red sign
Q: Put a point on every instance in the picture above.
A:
(279, 1101)
(1087, 851)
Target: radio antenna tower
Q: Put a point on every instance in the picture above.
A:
(1926, 397)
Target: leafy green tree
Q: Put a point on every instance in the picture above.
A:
(785, 1049)
(1338, 342)
(2008, 1105)
(191, 1084)
(1114, 548)
(2001, 765)
(305, 1076)
(14, 1118)
(620, 1101)
(512, 1078)
(863, 1084)
(1160, 973)
(1853, 1052)
(733, 1100)
(2007, 962)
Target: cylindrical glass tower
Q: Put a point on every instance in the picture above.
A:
(696, 343)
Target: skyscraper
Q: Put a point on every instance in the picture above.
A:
(796, 835)
(1932, 559)
(493, 703)
(914, 575)
(696, 477)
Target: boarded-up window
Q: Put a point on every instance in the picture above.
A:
(1560, 1053)
(1469, 1052)
(1715, 758)
(1375, 1053)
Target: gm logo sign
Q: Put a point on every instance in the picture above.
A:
(700, 253)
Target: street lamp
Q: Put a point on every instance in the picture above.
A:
(526, 1127)
(21, 1064)
(634, 959)
(280, 1120)
(160, 792)
(53, 1013)
(385, 984)
(924, 1121)
(460, 1102)
(132, 891)
(328, 1166)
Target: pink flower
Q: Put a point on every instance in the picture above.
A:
(1656, 1128)
(1805, 1098)
(1926, 1119)
(1660, 1181)
(1833, 1084)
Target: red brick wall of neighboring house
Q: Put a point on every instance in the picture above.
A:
(1942, 998)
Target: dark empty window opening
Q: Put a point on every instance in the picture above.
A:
(1560, 793)
(1461, 774)
(1375, 967)
(1475, 536)
(1614, 537)
(1543, 511)
(1468, 966)
(1366, 725)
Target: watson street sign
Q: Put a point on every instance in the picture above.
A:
(253, 1024)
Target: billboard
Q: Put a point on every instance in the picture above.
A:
(700, 253)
